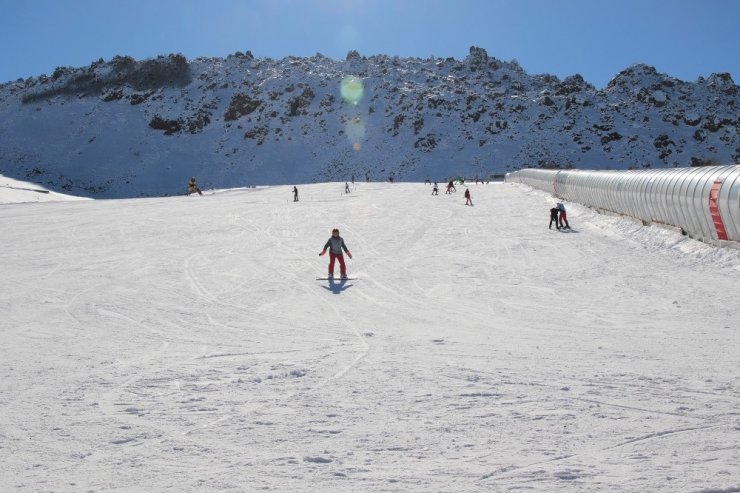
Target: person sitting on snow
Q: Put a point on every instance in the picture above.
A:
(193, 188)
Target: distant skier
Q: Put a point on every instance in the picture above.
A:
(295, 194)
(468, 201)
(427, 182)
(346, 187)
(336, 245)
(450, 188)
(554, 218)
(563, 216)
(193, 187)
(435, 189)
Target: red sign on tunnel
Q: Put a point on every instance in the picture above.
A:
(714, 210)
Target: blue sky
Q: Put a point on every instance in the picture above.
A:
(597, 38)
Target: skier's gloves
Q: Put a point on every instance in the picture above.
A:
(349, 254)
(322, 253)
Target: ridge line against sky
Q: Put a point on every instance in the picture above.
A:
(597, 39)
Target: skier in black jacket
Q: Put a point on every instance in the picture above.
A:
(554, 218)
(468, 200)
(335, 245)
(193, 187)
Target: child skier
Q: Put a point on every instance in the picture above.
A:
(335, 245)
(563, 216)
(435, 190)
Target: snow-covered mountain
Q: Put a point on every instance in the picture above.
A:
(127, 128)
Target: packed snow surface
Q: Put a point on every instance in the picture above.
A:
(184, 344)
(16, 191)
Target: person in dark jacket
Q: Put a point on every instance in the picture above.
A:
(554, 218)
(193, 187)
(336, 246)
(468, 201)
(295, 194)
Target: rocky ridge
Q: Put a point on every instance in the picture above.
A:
(127, 128)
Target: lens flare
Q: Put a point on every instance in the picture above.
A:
(351, 89)
(355, 130)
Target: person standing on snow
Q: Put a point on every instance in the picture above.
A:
(336, 245)
(435, 189)
(467, 197)
(295, 194)
(563, 216)
(346, 187)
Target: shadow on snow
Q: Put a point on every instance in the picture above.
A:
(337, 286)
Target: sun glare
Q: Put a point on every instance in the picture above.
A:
(351, 89)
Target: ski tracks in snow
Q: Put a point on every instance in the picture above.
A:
(295, 277)
(471, 356)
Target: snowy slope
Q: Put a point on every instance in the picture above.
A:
(126, 128)
(182, 344)
(15, 191)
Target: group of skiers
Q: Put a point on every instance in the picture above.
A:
(557, 213)
(451, 188)
(337, 247)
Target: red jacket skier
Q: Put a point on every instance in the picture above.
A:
(563, 219)
(335, 245)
